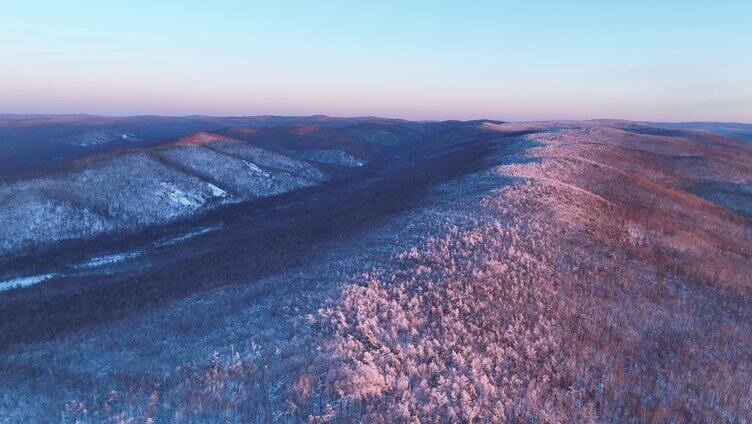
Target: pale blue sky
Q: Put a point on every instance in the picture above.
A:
(514, 60)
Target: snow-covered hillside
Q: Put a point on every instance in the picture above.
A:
(544, 272)
(134, 190)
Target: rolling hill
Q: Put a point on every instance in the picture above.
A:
(316, 269)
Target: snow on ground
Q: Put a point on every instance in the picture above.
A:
(243, 177)
(271, 160)
(537, 306)
(108, 259)
(181, 197)
(17, 282)
(216, 191)
(253, 167)
(98, 137)
(31, 216)
(132, 190)
(186, 236)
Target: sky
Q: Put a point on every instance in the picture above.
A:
(666, 60)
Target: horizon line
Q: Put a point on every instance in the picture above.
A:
(325, 116)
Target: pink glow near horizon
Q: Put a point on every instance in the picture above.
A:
(678, 62)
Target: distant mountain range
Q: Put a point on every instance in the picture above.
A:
(729, 129)
(34, 143)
